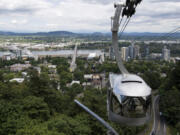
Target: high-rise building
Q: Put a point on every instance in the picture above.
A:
(165, 54)
(111, 53)
(136, 52)
(147, 52)
(131, 51)
(125, 53)
(102, 58)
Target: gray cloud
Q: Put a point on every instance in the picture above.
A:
(99, 1)
(17, 10)
(111, 1)
(85, 15)
(155, 1)
(160, 16)
(175, 15)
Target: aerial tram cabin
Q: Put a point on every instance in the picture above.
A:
(129, 100)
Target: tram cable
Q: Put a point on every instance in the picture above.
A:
(171, 32)
(121, 33)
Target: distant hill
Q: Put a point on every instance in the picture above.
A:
(52, 33)
(149, 34)
(6, 33)
(95, 34)
(55, 33)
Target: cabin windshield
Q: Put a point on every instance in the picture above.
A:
(132, 107)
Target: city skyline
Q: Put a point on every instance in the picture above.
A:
(84, 16)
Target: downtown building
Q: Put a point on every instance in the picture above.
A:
(130, 53)
(147, 52)
(134, 51)
(166, 54)
(125, 53)
(111, 53)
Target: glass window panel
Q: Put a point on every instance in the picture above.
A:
(131, 106)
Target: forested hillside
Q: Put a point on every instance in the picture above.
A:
(36, 107)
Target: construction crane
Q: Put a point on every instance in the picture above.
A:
(73, 63)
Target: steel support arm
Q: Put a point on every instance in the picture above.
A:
(115, 29)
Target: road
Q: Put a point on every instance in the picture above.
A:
(159, 127)
(162, 127)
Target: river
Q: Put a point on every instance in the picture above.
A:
(60, 52)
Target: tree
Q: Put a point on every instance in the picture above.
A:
(36, 129)
(9, 117)
(169, 105)
(1, 76)
(153, 79)
(36, 108)
(78, 75)
(170, 97)
(38, 85)
(65, 77)
(69, 126)
(55, 101)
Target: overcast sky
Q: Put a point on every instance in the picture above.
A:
(85, 15)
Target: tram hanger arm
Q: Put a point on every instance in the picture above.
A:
(115, 29)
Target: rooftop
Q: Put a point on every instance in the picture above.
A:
(129, 85)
